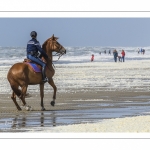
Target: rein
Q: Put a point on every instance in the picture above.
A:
(59, 55)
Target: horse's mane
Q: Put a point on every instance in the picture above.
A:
(44, 44)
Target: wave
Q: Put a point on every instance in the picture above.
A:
(11, 55)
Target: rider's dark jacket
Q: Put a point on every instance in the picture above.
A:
(33, 46)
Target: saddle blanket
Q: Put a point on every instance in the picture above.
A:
(35, 67)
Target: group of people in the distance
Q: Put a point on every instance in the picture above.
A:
(120, 58)
(116, 56)
(142, 51)
(109, 52)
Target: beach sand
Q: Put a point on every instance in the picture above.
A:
(88, 86)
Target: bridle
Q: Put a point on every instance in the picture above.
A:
(59, 54)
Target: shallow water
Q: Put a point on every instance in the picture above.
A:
(23, 121)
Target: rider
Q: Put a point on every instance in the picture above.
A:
(34, 52)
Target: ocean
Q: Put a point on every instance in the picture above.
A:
(11, 55)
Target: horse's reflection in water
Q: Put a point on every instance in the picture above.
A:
(15, 123)
(21, 121)
(52, 119)
(42, 119)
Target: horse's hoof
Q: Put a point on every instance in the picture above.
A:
(43, 109)
(52, 103)
(28, 108)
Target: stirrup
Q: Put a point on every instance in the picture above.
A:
(45, 80)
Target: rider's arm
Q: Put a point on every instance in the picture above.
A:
(40, 49)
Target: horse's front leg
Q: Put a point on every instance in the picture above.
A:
(42, 96)
(51, 82)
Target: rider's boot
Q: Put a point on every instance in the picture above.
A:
(44, 78)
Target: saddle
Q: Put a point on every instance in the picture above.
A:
(27, 60)
(34, 66)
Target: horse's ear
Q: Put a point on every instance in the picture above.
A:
(53, 38)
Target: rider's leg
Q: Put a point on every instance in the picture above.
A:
(41, 63)
(45, 79)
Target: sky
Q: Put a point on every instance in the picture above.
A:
(124, 32)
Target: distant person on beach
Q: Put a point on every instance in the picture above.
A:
(115, 53)
(104, 51)
(92, 58)
(109, 52)
(143, 51)
(123, 55)
(138, 50)
(100, 53)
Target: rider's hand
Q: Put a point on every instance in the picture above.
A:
(44, 60)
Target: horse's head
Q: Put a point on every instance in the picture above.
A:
(51, 45)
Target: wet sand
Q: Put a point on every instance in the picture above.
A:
(71, 108)
(71, 101)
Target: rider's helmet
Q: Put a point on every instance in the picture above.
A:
(33, 34)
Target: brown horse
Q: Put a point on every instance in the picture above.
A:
(21, 75)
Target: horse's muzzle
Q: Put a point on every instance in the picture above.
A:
(63, 50)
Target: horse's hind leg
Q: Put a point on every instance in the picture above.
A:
(16, 91)
(23, 93)
(22, 97)
(13, 97)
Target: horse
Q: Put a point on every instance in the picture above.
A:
(20, 75)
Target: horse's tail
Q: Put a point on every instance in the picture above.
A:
(14, 85)
(16, 90)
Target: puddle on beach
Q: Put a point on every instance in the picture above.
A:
(23, 121)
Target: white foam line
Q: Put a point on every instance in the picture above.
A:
(89, 100)
(139, 124)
